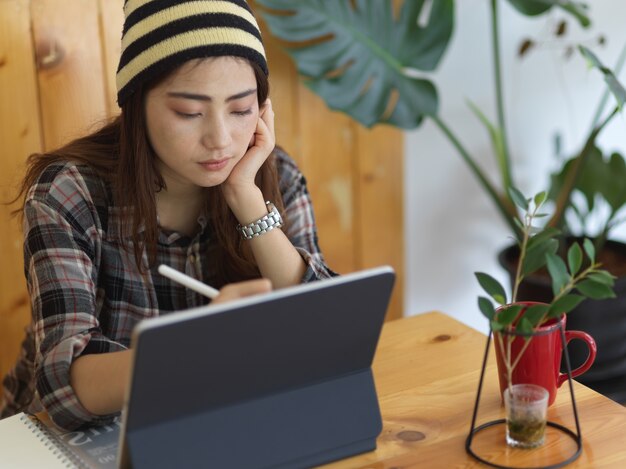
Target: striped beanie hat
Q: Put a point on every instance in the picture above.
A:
(160, 35)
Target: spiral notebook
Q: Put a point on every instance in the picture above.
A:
(27, 441)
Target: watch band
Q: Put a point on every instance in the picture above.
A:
(262, 225)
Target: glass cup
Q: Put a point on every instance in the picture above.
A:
(526, 410)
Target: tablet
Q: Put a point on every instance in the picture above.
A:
(277, 380)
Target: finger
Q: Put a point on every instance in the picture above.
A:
(270, 118)
(234, 291)
(266, 104)
(264, 136)
(267, 115)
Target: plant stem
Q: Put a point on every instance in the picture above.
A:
(506, 358)
(497, 68)
(528, 221)
(521, 352)
(509, 369)
(505, 207)
(520, 262)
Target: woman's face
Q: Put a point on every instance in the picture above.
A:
(201, 120)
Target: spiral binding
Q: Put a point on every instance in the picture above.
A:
(51, 441)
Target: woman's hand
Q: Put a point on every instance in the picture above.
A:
(263, 141)
(100, 379)
(234, 291)
(242, 195)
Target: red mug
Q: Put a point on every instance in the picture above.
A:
(540, 364)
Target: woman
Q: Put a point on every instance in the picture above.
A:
(187, 176)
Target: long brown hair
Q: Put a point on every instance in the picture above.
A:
(120, 153)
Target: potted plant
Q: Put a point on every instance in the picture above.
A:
(375, 71)
(601, 189)
(528, 335)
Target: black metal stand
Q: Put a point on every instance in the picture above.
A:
(577, 437)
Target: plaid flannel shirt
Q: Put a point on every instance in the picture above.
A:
(87, 293)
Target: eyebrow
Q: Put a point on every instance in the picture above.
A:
(204, 97)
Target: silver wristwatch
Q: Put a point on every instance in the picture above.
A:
(262, 225)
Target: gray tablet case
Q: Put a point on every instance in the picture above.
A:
(282, 380)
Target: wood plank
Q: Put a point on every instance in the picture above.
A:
(20, 135)
(380, 211)
(111, 24)
(72, 87)
(328, 162)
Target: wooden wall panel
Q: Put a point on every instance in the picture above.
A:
(111, 24)
(72, 86)
(328, 155)
(380, 212)
(20, 136)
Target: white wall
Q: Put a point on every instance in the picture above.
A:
(452, 228)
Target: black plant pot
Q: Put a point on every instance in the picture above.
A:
(604, 320)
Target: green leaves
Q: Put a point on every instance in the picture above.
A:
(564, 305)
(507, 315)
(592, 283)
(492, 287)
(536, 242)
(595, 290)
(521, 317)
(538, 247)
(614, 189)
(540, 198)
(363, 60)
(558, 272)
(486, 307)
(598, 285)
(535, 314)
(590, 250)
(518, 198)
(614, 85)
(600, 177)
(603, 277)
(495, 134)
(538, 7)
(574, 258)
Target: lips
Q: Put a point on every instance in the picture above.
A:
(214, 165)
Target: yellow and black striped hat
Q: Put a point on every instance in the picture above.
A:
(160, 35)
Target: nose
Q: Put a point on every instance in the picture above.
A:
(216, 134)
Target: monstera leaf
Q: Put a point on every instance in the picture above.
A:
(361, 58)
(538, 7)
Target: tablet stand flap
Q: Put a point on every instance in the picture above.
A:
(295, 428)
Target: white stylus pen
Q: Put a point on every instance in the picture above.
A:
(188, 281)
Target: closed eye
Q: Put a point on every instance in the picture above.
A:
(188, 116)
(243, 113)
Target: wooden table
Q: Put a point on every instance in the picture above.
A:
(427, 369)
